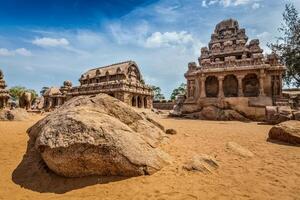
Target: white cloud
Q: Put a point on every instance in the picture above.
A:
(23, 52)
(159, 39)
(204, 4)
(264, 35)
(19, 51)
(228, 3)
(255, 6)
(6, 52)
(50, 42)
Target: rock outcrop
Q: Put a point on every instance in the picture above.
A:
(202, 163)
(238, 149)
(99, 135)
(288, 131)
(215, 113)
(17, 114)
(171, 131)
(177, 109)
(278, 114)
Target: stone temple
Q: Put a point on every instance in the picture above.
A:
(121, 80)
(233, 73)
(4, 94)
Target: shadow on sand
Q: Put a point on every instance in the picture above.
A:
(33, 174)
(282, 143)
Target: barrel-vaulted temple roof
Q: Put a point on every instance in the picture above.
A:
(118, 68)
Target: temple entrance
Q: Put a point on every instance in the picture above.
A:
(111, 94)
(251, 85)
(211, 86)
(139, 100)
(230, 86)
(133, 102)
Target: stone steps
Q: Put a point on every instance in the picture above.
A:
(281, 101)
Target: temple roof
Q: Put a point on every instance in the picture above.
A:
(52, 91)
(113, 69)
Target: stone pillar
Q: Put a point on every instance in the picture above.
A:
(197, 88)
(221, 92)
(202, 91)
(142, 102)
(50, 102)
(280, 84)
(188, 88)
(136, 101)
(240, 85)
(59, 102)
(261, 83)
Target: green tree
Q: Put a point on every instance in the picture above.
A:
(178, 91)
(16, 91)
(43, 90)
(288, 45)
(157, 93)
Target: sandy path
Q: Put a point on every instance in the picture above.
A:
(273, 173)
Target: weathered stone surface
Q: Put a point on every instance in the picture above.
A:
(171, 131)
(177, 109)
(232, 75)
(202, 163)
(210, 113)
(99, 135)
(229, 115)
(288, 131)
(238, 149)
(278, 114)
(297, 115)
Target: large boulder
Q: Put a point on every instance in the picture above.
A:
(202, 163)
(99, 135)
(210, 113)
(215, 113)
(288, 131)
(297, 115)
(17, 114)
(278, 114)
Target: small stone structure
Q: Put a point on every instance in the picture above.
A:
(4, 94)
(233, 73)
(121, 80)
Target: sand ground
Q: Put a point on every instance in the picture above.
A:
(273, 172)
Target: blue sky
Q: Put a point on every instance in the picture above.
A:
(43, 43)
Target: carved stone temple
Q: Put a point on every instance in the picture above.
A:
(121, 80)
(4, 94)
(233, 73)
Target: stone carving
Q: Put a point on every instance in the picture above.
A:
(25, 100)
(176, 112)
(230, 67)
(120, 80)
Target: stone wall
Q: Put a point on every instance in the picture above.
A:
(163, 105)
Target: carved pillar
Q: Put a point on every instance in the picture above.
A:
(240, 85)
(50, 102)
(202, 91)
(221, 92)
(188, 88)
(142, 102)
(261, 83)
(197, 87)
(136, 101)
(280, 84)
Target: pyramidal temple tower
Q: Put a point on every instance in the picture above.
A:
(233, 70)
(4, 94)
